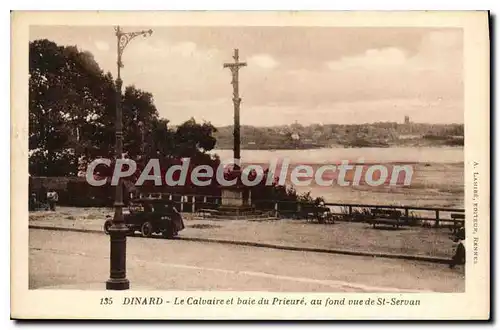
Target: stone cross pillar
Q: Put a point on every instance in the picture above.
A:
(235, 67)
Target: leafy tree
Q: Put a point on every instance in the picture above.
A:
(139, 116)
(59, 96)
(192, 138)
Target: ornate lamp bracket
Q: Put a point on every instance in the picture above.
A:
(125, 37)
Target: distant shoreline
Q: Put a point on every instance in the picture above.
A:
(443, 143)
(375, 135)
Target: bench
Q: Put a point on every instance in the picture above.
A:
(204, 212)
(318, 213)
(458, 221)
(386, 217)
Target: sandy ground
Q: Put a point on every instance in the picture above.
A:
(58, 259)
(341, 235)
(436, 185)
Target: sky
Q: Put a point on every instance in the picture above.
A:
(309, 75)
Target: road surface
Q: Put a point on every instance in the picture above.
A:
(61, 259)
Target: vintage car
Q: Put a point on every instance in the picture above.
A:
(151, 216)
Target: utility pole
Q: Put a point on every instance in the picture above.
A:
(235, 67)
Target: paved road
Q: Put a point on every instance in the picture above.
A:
(350, 236)
(59, 258)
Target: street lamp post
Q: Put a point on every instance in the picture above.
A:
(118, 231)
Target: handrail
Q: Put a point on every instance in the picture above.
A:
(421, 208)
(349, 205)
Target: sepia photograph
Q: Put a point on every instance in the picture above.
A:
(275, 161)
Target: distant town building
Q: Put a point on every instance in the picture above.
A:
(407, 120)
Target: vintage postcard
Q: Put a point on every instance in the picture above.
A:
(250, 165)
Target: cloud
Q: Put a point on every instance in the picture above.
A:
(101, 45)
(263, 61)
(438, 51)
(371, 59)
(441, 40)
(187, 49)
(176, 71)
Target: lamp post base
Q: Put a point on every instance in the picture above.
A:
(117, 284)
(118, 239)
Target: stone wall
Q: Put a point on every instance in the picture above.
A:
(75, 191)
(52, 183)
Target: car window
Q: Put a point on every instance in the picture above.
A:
(134, 208)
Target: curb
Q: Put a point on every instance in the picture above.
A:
(78, 230)
(275, 246)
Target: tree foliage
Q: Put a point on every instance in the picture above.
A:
(72, 112)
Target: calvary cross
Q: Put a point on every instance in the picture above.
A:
(235, 67)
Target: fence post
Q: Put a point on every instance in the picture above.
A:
(170, 197)
(437, 219)
(205, 201)
(276, 209)
(194, 203)
(350, 212)
(407, 213)
(182, 203)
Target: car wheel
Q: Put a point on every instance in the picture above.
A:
(107, 225)
(168, 233)
(146, 229)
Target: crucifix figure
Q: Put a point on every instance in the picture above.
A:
(235, 67)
